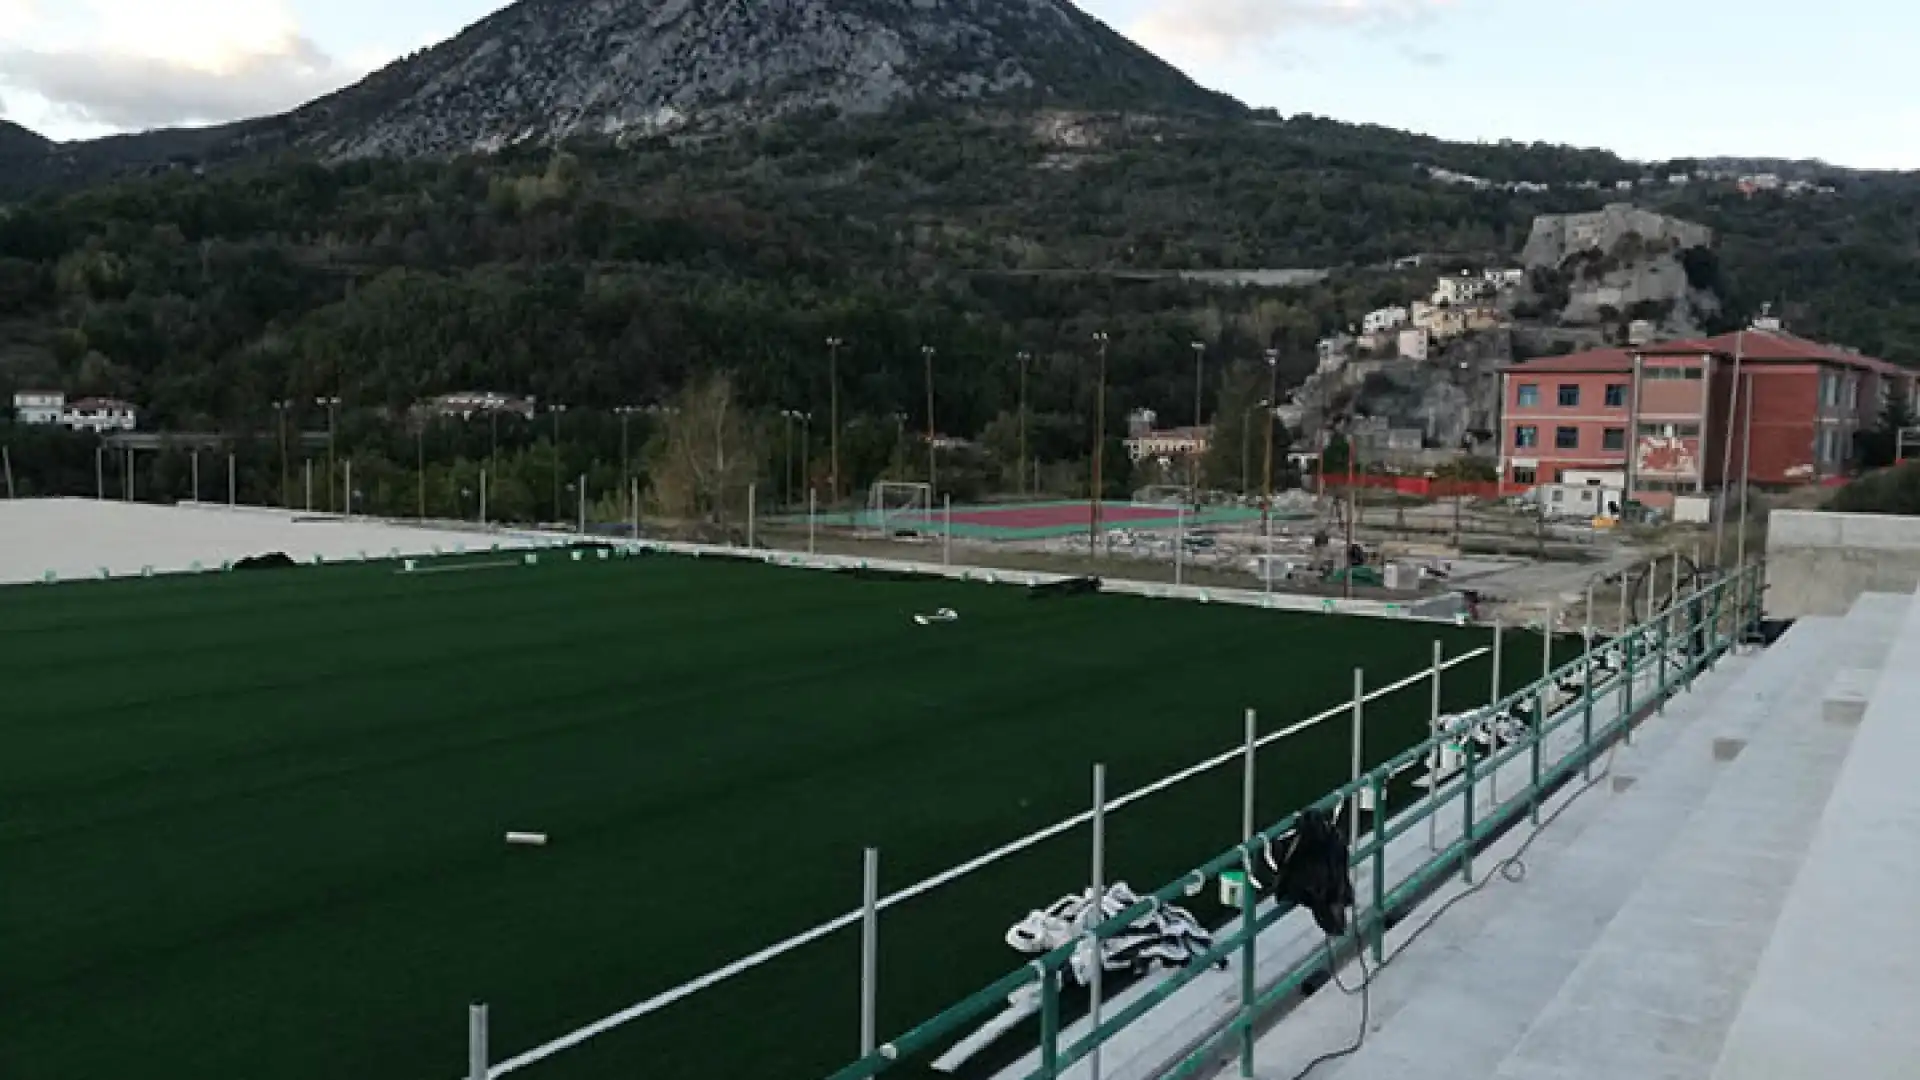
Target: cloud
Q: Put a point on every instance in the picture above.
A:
(1202, 31)
(131, 64)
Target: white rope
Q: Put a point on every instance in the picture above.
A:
(746, 963)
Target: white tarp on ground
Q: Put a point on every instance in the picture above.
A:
(75, 538)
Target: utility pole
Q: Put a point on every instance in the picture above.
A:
(1099, 443)
(1026, 480)
(1726, 455)
(933, 478)
(833, 418)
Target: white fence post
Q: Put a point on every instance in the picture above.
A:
(477, 1064)
(870, 952)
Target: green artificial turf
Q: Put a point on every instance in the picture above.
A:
(251, 824)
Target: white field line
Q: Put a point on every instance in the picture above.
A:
(745, 963)
(460, 568)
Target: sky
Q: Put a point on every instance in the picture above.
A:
(1650, 79)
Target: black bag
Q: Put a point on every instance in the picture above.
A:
(1313, 874)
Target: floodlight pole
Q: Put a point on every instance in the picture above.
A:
(813, 499)
(100, 473)
(346, 487)
(483, 496)
(6, 458)
(583, 509)
(233, 483)
(309, 486)
(753, 500)
(196, 474)
(946, 537)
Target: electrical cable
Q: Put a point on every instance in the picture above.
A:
(1513, 868)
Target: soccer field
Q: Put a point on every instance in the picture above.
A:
(251, 824)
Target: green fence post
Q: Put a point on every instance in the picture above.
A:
(1665, 646)
(1586, 704)
(1466, 835)
(1380, 868)
(1049, 1021)
(1629, 668)
(1249, 905)
(1539, 724)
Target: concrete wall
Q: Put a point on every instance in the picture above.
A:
(1818, 563)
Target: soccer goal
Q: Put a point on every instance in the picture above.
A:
(894, 507)
(1162, 495)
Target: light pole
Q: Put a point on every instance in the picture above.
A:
(420, 459)
(1199, 384)
(332, 405)
(833, 417)
(1099, 441)
(1273, 395)
(1025, 358)
(933, 476)
(558, 412)
(626, 459)
(280, 416)
(1246, 442)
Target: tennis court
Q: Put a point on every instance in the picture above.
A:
(1040, 520)
(255, 821)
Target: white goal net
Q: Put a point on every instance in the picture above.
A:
(894, 507)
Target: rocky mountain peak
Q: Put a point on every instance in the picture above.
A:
(542, 71)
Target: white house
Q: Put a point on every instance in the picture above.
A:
(1454, 291)
(1387, 318)
(1505, 279)
(1413, 344)
(38, 406)
(99, 414)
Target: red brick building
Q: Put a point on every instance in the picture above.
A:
(1670, 418)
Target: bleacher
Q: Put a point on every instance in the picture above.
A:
(1736, 901)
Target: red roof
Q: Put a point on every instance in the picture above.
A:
(1596, 360)
(1777, 345)
(1751, 345)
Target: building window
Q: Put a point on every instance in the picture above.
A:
(1669, 431)
(1616, 395)
(1569, 395)
(1613, 438)
(1529, 395)
(1566, 438)
(1671, 374)
(1524, 476)
(1526, 437)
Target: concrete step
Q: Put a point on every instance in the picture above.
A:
(1656, 992)
(1455, 1002)
(1835, 991)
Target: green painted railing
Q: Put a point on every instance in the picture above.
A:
(1714, 617)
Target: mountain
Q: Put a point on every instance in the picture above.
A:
(18, 142)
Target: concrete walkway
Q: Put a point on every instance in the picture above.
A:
(1739, 843)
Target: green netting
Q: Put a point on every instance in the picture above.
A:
(1033, 521)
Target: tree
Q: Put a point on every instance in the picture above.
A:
(705, 456)
(1878, 447)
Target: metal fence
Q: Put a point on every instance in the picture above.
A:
(1668, 650)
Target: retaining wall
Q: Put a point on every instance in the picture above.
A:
(1818, 563)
